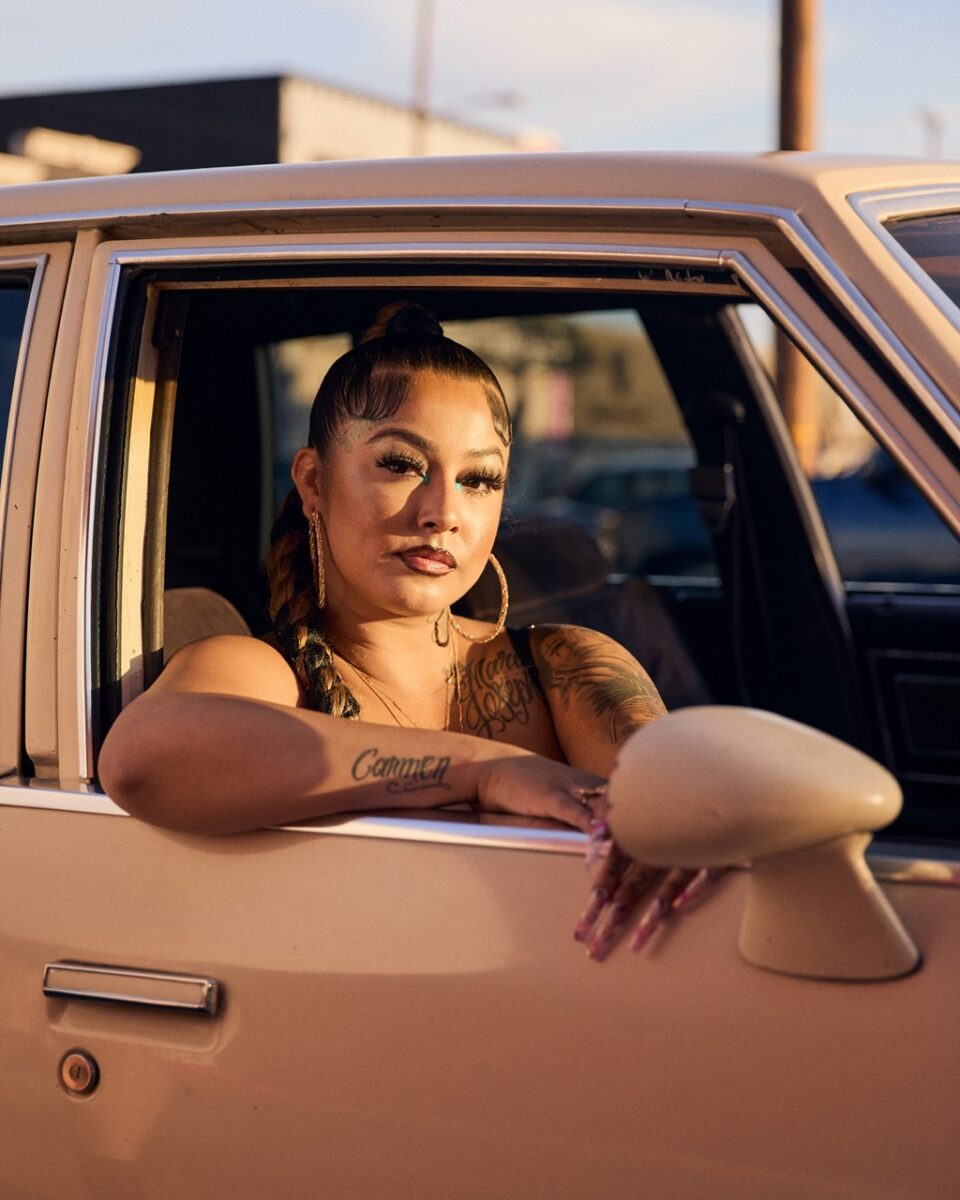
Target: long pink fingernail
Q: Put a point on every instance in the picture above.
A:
(608, 932)
(648, 923)
(589, 918)
(596, 953)
(599, 844)
(696, 887)
(600, 947)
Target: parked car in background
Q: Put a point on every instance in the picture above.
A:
(393, 1006)
(639, 508)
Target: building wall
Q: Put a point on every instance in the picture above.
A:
(216, 123)
(320, 122)
(225, 122)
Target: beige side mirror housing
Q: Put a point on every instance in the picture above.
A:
(717, 786)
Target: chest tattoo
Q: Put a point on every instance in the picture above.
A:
(495, 691)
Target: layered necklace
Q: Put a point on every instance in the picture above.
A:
(404, 720)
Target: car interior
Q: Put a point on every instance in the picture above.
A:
(766, 620)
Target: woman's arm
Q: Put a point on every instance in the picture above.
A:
(218, 745)
(597, 692)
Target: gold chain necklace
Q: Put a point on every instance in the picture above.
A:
(394, 709)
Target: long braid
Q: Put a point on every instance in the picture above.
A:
(295, 615)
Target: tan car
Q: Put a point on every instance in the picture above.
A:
(370, 1007)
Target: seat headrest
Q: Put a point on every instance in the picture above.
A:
(541, 559)
(190, 614)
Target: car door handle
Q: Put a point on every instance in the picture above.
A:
(130, 985)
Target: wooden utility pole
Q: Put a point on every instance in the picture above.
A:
(796, 379)
(798, 74)
(422, 69)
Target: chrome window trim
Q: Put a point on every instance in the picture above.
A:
(18, 791)
(876, 209)
(449, 829)
(833, 371)
(425, 251)
(889, 862)
(443, 828)
(88, 501)
(863, 315)
(36, 262)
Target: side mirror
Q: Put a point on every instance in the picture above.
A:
(717, 786)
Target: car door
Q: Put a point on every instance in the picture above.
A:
(367, 1006)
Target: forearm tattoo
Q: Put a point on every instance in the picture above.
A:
(402, 774)
(495, 691)
(582, 670)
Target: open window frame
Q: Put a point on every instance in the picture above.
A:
(134, 386)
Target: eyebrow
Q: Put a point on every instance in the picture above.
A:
(424, 444)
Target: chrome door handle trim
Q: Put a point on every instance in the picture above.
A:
(130, 985)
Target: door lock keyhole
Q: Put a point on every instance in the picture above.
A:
(79, 1073)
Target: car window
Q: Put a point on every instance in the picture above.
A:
(622, 403)
(14, 296)
(933, 242)
(199, 465)
(882, 529)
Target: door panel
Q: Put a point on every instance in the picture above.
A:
(909, 648)
(414, 1020)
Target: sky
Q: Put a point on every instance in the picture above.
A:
(593, 74)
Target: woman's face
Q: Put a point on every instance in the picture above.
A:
(409, 505)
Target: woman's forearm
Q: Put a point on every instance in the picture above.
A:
(220, 764)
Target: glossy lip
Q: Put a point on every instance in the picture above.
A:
(427, 560)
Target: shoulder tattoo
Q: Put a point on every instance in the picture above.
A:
(583, 669)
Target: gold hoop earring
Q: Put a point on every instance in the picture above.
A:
(315, 542)
(501, 619)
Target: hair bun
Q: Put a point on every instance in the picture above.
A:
(403, 317)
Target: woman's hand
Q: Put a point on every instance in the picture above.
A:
(621, 884)
(532, 786)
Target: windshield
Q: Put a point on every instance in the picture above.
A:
(933, 242)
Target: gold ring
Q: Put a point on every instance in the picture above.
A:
(585, 795)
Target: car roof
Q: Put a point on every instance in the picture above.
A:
(794, 181)
(807, 198)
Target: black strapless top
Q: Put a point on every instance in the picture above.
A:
(520, 639)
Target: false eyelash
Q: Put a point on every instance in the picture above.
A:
(490, 479)
(407, 462)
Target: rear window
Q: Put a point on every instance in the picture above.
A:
(934, 244)
(13, 309)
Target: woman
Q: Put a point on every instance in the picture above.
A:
(396, 505)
